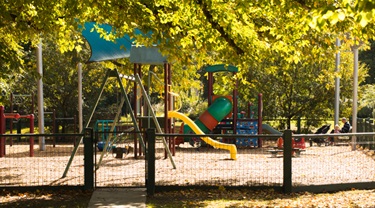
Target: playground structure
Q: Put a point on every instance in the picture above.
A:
(222, 115)
(18, 100)
(65, 123)
(298, 146)
(139, 56)
(3, 117)
(230, 147)
(214, 119)
(17, 105)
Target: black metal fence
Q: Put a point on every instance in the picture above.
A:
(366, 125)
(327, 167)
(347, 164)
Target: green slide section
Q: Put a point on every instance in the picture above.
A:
(269, 129)
(218, 109)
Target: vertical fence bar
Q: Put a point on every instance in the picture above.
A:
(89, 158)
(2, 131)
(366, 129)
(150, 159)
(287, 162)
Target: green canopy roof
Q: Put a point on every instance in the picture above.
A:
(221, 68)
(103, 50)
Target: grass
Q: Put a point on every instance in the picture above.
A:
(40, 198)
(218, 198)
(266, 198)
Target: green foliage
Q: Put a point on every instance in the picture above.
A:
(237, 32)
(305, 89)
(367, 100)
(282, 48)
(59, 78)
(367, 57)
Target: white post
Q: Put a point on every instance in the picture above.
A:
(39, 57)
(337, 84)
(355, 96)
(80, 114)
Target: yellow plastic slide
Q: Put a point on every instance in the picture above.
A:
(231, 147)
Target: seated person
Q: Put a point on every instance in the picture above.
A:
(346, 127)
(337, 129)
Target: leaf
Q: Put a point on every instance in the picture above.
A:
(341, 16)
(364, 21)
(334, 18)
(328, 14)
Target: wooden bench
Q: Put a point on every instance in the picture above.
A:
(120, 151)
(277, 150)
(298, 151)
(274, 152)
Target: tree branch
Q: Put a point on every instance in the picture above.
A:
(218, 27)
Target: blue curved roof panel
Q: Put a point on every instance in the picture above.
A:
(103, 50)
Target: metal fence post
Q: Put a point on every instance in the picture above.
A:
(2, 131)
(287, 163)
(150, 166)
(88, 140)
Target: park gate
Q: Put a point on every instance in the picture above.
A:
(119, 163)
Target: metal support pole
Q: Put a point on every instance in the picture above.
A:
(172, 145)
(166, 103)
(80, 101)
(355, 96)
(337, 84)
(135, 109)
(42, 146)
(235, 105)
(31, 139)
(260, 118)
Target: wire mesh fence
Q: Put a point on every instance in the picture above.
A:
(333, 163)
(206, 166)
(330, 163)
(199, 164)
(123, 163)
(20, 168)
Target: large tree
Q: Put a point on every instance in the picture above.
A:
(192, 32)
(213, 30)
